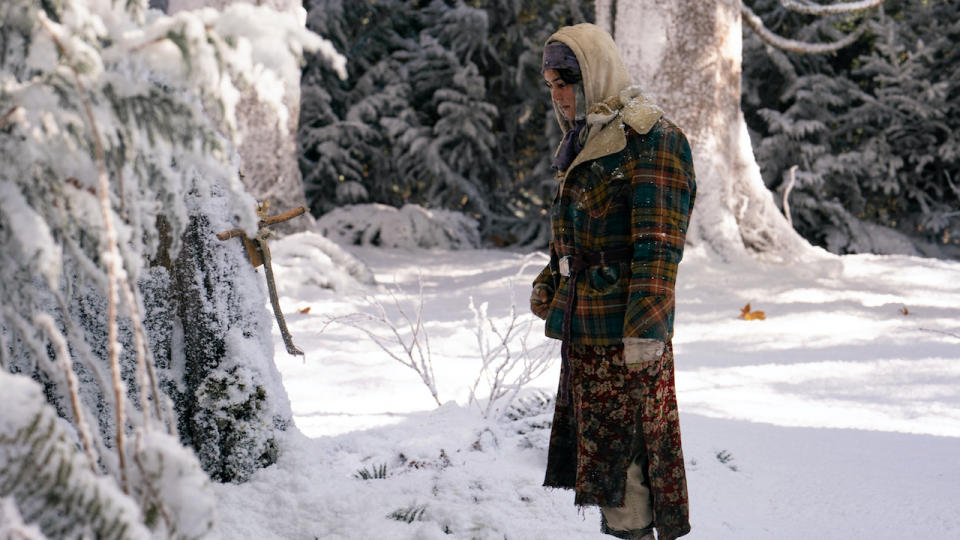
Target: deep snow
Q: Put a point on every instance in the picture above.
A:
(837, 417)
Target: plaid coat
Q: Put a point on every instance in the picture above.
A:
(641, 196)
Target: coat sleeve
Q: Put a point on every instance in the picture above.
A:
(662, 193)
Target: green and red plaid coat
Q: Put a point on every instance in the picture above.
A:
(641, 196)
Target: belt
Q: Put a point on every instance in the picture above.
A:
(571, 266)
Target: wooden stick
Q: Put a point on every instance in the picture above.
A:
(286, 216)
(272, 220)
(275, 300)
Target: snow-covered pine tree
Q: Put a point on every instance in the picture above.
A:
(526, 127)
(346, 125)
(267, 135)
(115, 126)
(878, 173)
(444, 107)
(455, 154)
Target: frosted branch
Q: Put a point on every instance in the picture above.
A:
(812, 8)
(504, 369)
(45, 321)
(416, 354)
(802, 47)
(112, 251)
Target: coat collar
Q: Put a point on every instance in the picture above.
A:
(606, 120)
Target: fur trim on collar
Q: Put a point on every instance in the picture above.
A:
(631, 105)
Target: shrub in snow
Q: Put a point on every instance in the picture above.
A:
(413, 351)
(506, 363)
(408, 227)
(118, 168)
(229, 399)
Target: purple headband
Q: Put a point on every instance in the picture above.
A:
(557, 55)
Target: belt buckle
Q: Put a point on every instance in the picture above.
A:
(565, 266)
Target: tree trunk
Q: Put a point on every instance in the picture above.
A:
(687, 56)
(268, 155)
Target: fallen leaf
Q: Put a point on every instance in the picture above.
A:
(304, 310)
(904, 311)
(748, 315)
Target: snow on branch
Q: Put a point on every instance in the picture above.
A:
(813, 8)
(111, 254)
(507, 363)
(414, 352)
(802, 47)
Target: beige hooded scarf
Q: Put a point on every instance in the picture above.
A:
(611, 99)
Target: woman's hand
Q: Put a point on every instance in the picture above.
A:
(640, 353)
(540, 299)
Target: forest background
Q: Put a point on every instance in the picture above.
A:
(444, 107)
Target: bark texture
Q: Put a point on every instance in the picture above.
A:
(687, 55)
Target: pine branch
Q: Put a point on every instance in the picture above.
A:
(112, 255)
(150, 489)
(45, 321)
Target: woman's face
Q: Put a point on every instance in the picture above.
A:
(561, 93)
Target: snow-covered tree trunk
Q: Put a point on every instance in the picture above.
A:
(687, 55)
(268, 147)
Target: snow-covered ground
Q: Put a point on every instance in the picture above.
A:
(836, 417)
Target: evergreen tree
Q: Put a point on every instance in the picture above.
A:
(118, 166)
(443, 107)
(871, 129)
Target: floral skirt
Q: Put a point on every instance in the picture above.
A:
(615, 414)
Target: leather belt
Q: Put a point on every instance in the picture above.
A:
(571, 266)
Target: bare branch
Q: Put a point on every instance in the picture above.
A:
(934, 331)
(812, 8)
(416, 354)
(504, 371)
(802, 47)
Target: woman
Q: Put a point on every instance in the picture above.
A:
(626, 191)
